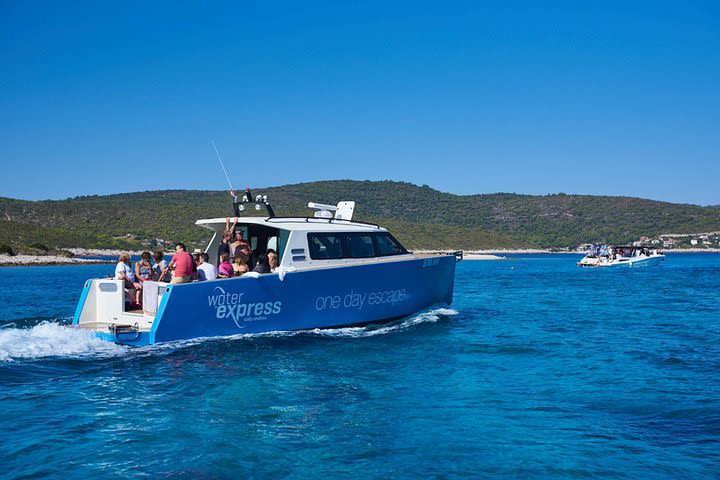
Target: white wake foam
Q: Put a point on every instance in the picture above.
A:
(49, 339)
(430, 316)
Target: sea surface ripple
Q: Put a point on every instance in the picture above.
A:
(539, 369)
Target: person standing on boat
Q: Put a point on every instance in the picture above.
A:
(238, 244)
(182, 262)
(224, 246)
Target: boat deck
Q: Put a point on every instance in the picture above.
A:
(104, 327)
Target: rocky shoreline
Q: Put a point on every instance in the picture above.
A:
(100, 252)
(44, 260)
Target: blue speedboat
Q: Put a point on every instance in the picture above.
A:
(332, 272)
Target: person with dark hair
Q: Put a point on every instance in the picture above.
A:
(225, 270)
(224, 246)
(205, 269)
(262, 265)
(143, 268)
(182, 263)
(159, 265)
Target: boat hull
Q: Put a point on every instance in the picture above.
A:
(623, 262)
(309, 299)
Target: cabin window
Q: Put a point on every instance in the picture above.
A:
(387, 245)
(332, 246)
(272, 243)
(361, 246)
(282, 242)
(325, 246)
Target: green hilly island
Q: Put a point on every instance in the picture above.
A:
(420, 216)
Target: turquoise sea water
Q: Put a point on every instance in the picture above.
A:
(539, 370)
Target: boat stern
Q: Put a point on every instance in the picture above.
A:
(103, 308)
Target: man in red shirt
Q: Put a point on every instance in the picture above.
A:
(182, 262)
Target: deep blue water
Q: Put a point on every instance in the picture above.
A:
(541, 370)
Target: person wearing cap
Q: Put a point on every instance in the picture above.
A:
(196, 257)
(239, 242)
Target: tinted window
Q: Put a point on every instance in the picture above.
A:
(325, 246)
(387, 245)
(361, 246)
(330, 246)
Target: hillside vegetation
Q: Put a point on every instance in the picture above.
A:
(419, 216)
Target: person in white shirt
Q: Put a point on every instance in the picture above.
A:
(205, 269)
(124, 272)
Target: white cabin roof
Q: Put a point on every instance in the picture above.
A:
(295, 223)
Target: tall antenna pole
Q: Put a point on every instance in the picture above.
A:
(221, 163)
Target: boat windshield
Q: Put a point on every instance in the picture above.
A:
(260, 237)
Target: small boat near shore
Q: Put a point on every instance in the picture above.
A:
(332, 272)
(621, 256)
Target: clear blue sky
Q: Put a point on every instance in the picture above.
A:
(616, 98)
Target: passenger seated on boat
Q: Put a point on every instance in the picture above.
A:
(182, 262)
(248, 255)
(196, 261)
(205, 269)
(272, 260)
(159, 265)
(143, 272)
(143, 268)
(124, 272)
(225, 270)
(262, 264)
(240, 264)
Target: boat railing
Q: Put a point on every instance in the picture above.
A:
(319, 220)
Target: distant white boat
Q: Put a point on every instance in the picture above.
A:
(621, 256)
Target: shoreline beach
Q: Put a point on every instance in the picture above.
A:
(497, 254)
(45, 260)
